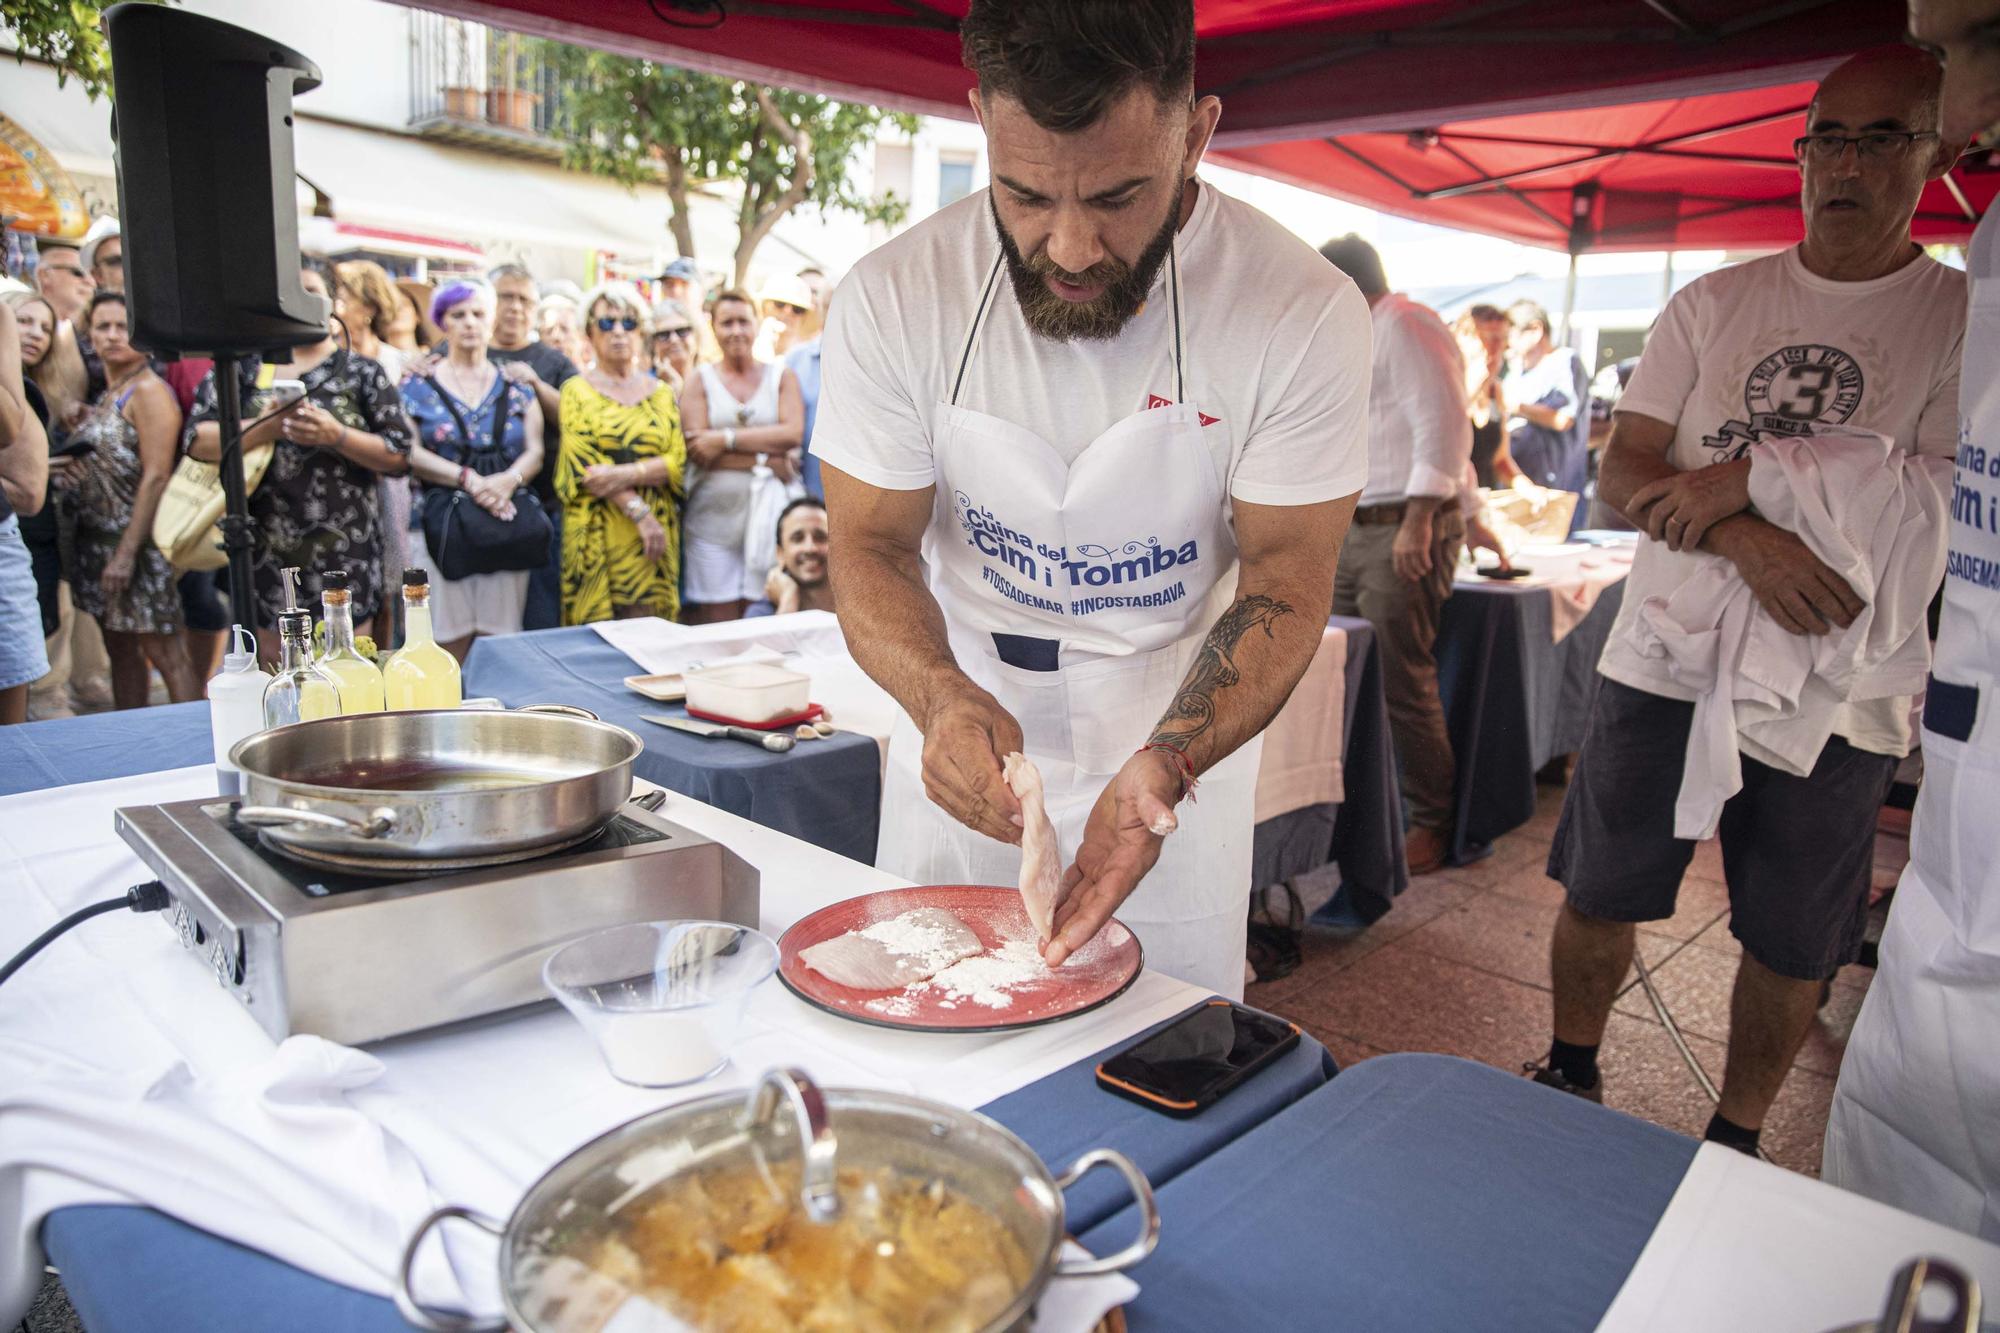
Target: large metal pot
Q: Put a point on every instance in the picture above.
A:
(439, 784)
(552, 1244)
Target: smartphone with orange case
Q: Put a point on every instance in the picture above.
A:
(1196, 1060)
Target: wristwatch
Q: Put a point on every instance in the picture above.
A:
(729, 439)
(636, 509)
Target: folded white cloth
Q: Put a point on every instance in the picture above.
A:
(1878, 519)
(661, 645)
(1747, 1245)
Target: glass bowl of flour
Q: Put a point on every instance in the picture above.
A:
(662, 999)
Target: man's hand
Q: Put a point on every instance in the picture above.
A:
(520, 372)
(1119, 846)
(1792, 584)
(1410, 552)
(1479, 537)
(1680, 509)
(963, 741)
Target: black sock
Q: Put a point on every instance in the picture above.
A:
(1578, 1064)
(1731, 1135)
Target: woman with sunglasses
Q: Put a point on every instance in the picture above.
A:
(620, 473)
(740, 414)
(673, 343)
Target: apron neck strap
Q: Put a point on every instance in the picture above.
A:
(992, 287)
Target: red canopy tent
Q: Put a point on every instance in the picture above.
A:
(1696, 153)
(1706, 172)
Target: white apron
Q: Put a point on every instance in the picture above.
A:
(1100, 579)
(1916, 1115)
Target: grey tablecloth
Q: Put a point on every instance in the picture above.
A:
(1363, 835)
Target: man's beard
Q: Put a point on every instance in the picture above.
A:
(1104, 316)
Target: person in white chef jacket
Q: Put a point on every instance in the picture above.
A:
(1091, 440)
(1916, 1114)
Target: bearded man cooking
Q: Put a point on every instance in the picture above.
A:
(1091, 441)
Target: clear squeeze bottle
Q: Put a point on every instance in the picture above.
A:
(300, 692)
(360, 680)
(422, 674)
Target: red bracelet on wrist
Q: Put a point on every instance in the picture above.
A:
(1182, 763)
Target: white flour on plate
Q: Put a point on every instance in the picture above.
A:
(934, 946)
(989, 978)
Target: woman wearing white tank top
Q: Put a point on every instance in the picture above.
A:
(736, 414)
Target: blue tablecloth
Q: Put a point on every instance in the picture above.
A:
(36, 755)
(134, 1270)
(1513, 698)
(1413, 1192)
(825, 792)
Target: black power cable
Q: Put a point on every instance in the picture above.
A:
(151, 896)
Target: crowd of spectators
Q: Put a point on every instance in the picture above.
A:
(660, 443)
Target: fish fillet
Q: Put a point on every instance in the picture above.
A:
(892, 954)
(1041, 859)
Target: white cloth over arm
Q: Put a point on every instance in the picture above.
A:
(1877, 517)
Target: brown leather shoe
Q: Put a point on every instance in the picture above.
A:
(1425, 849)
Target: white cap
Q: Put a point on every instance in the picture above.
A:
(240, 659)
(790, 289)
(100, 231)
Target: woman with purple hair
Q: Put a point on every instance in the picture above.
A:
(316, 508)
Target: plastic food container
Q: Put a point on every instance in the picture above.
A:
(749, 692)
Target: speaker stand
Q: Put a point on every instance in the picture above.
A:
(238, 539)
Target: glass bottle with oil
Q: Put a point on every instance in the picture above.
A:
(301, 691)
(360, 680)
(421, 674)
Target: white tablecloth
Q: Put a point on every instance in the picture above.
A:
(1748, 1245)
(1574, 584)
(127, 1075)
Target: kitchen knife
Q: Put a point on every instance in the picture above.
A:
(777, 742)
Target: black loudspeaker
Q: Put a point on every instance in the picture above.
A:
(202, 119)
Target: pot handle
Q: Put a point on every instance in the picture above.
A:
(1142, 1194)
(435, 1321)
(817, 1183)
(381, 820)
(563, 710)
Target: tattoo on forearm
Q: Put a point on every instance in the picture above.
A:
(1192, 713)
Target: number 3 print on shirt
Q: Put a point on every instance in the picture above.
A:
(1790, 391)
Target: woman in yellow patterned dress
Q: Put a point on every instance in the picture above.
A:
(621, 474)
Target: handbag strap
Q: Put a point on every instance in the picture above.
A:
(502, 414)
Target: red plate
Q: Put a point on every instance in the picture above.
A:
(774, 724)
(1095, 975)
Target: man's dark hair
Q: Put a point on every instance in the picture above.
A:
(1485, 314)
(1358, 260)
(102, 296)
(803, 502)
(1067, 61)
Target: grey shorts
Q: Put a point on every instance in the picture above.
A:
(1797, 852)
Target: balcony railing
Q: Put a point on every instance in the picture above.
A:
(482, 86)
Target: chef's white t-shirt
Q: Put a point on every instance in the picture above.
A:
(1277, 356)
(1767, 349)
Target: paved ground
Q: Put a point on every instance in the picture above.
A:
(1460, 965)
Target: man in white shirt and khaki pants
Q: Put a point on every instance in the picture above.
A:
(1855, 327)
(1397, 566)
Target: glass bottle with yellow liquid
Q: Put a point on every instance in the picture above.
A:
(360, 680)
(300, 692)
(421, 674)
